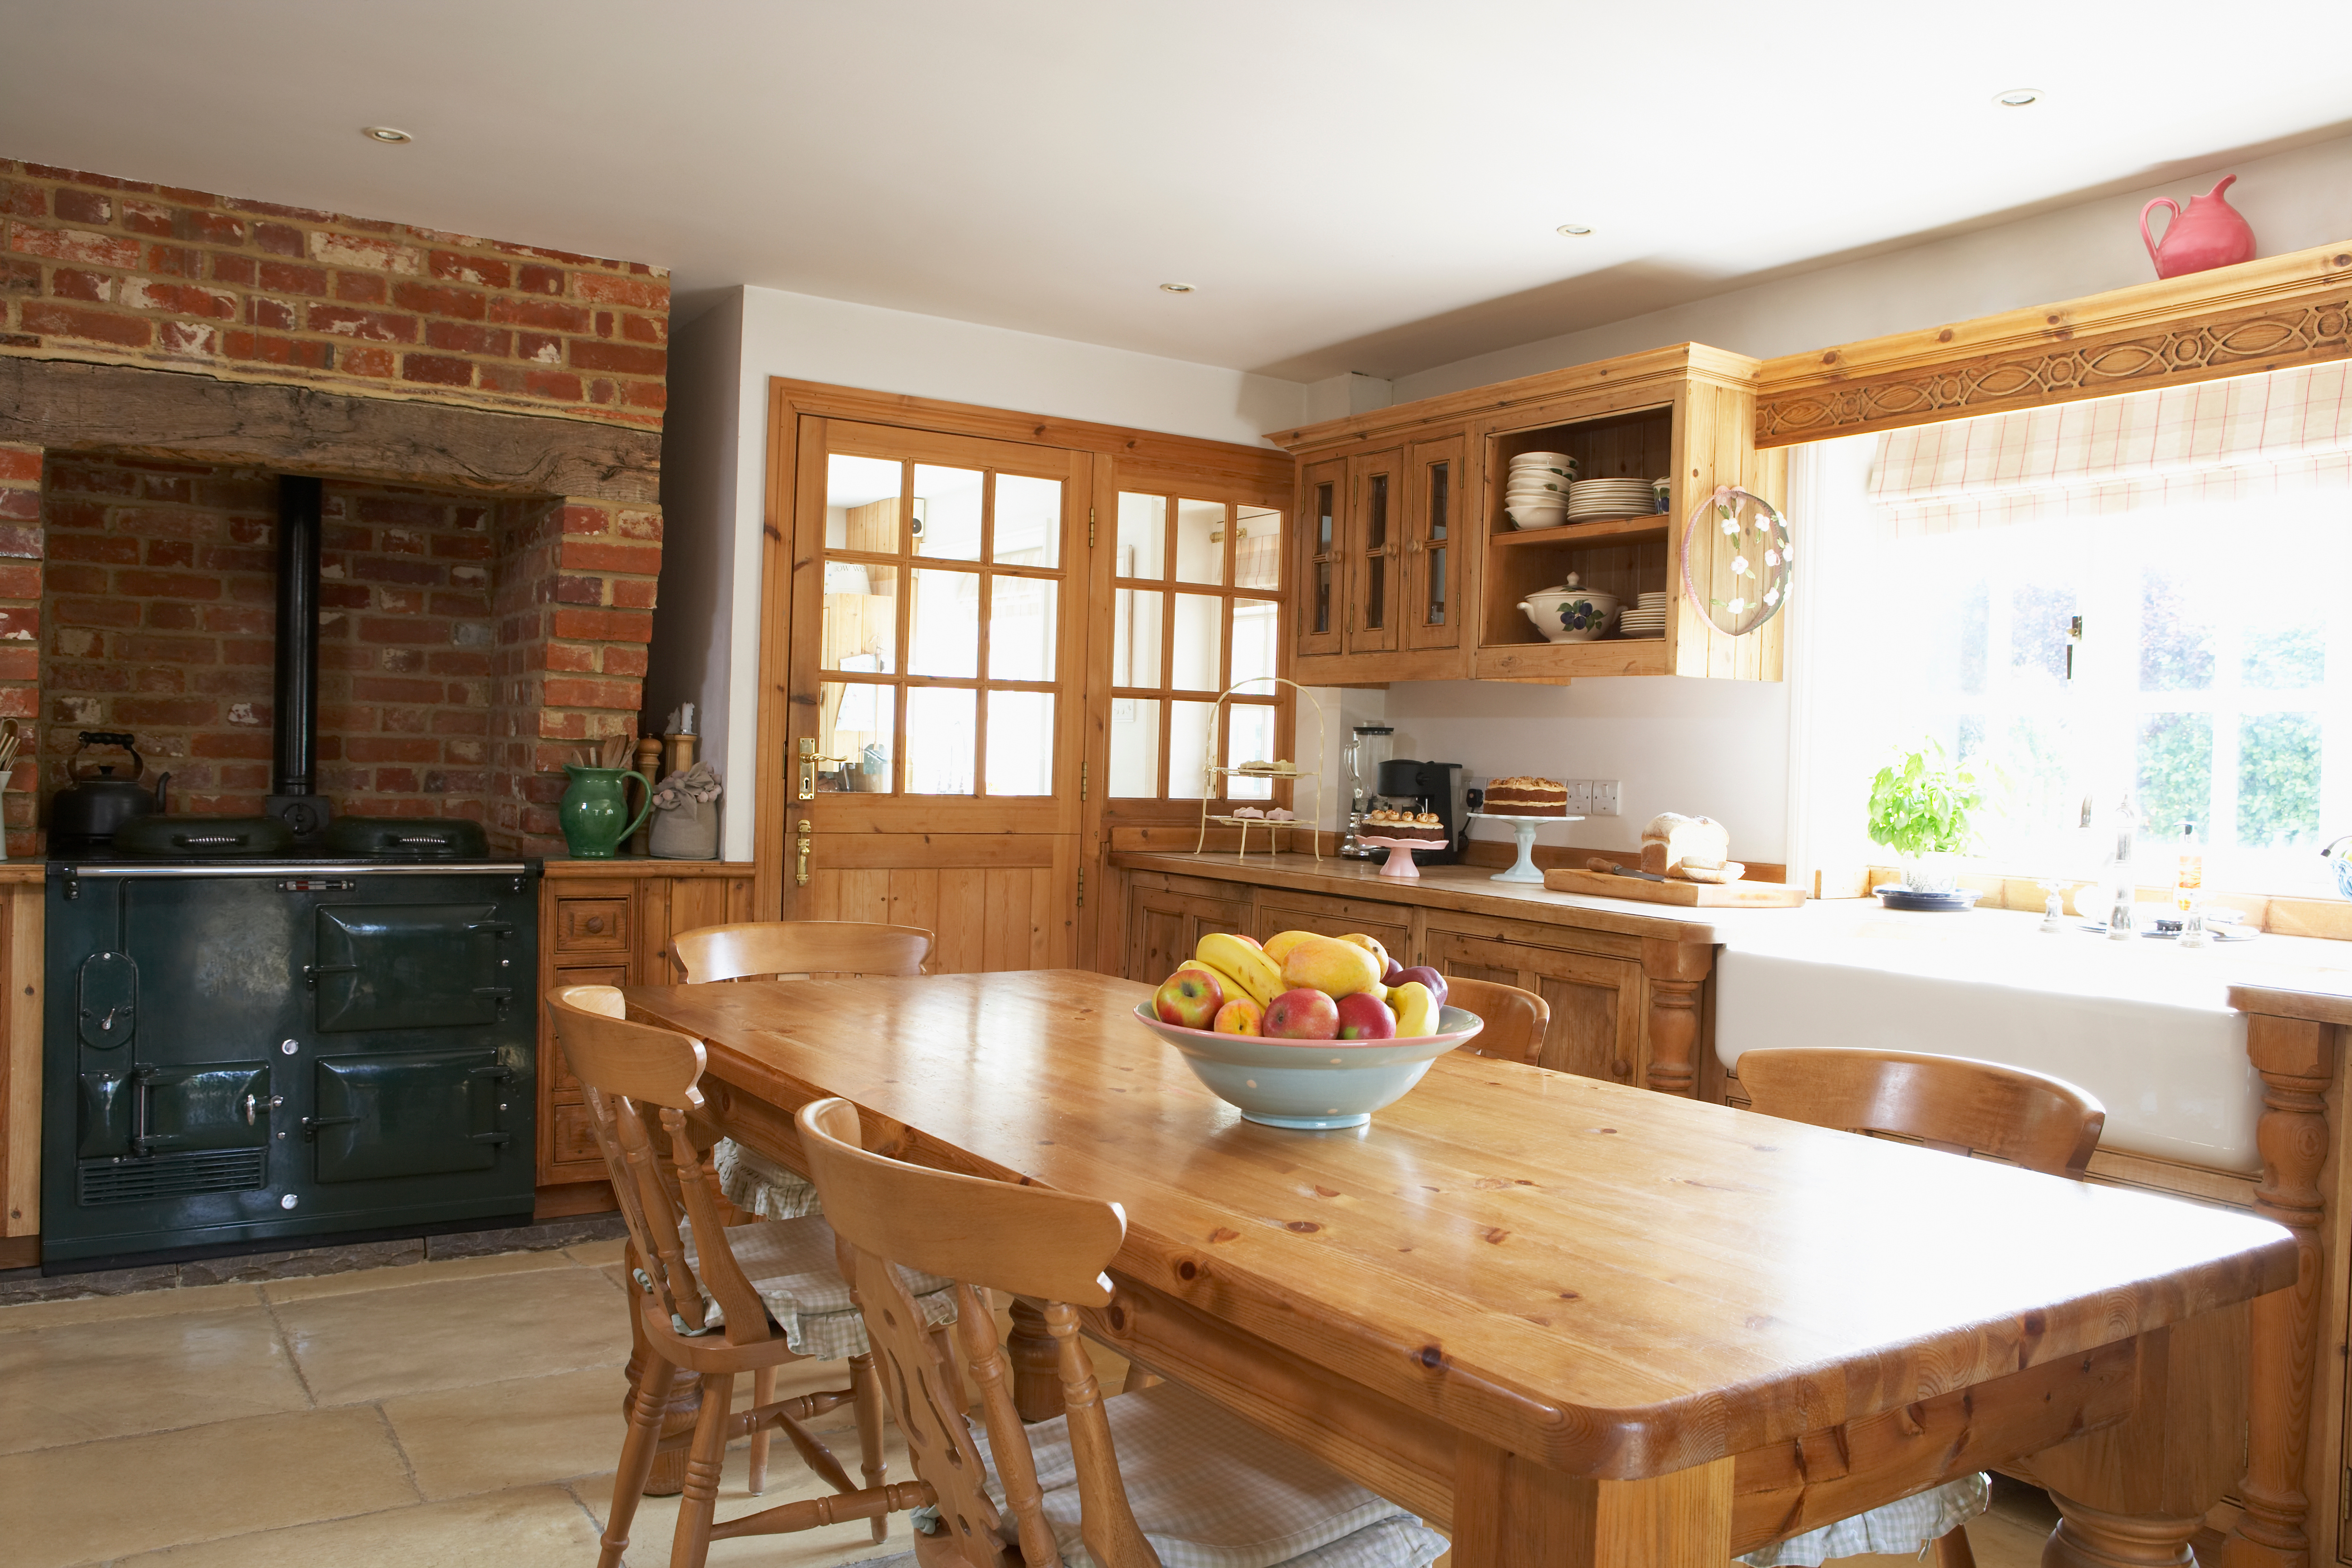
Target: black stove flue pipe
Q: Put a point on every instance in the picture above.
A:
(295, 710)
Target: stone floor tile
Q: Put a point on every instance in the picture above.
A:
(144, 1304)
(414, 1272)
(597, 1254)
(491, 1435)
(74, 1382)
(380, 1344)
(103, 1500)
(528, 1527)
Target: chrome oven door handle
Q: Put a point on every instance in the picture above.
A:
(254, 1102)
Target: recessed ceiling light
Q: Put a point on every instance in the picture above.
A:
(385, 133)
(2018, 97)
(1575, 229)
(1177, 288)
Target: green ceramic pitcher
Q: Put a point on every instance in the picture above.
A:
(595, 810)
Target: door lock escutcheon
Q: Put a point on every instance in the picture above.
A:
(810, 758)
(799, 869)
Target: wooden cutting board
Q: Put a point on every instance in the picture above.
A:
(1698, 895)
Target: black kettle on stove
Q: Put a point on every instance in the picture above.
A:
(98, 802)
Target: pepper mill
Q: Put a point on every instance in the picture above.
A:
(649, 756)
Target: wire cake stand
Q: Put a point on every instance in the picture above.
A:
(1523, 834)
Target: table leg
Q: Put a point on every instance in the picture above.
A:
(2296, 1059)
(1510, 1512)
(1036, 1362)
(2088, 1537)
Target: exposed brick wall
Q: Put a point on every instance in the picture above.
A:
(574, 602)
(160, 620)
(20, 610)
(94, 267)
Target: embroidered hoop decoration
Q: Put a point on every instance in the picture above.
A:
(1763, 555)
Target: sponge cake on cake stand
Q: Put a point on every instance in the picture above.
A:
(1525, 801)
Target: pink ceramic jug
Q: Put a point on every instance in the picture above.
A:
(2210, 234)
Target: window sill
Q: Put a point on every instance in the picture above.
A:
(2286, 914)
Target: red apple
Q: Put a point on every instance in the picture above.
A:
(1364, 1016)
(1427, 977)
(1304, 1013)
(1190, 997)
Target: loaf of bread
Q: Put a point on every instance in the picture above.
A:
(1671, 839)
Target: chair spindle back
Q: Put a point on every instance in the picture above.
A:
(1952, 1103)
(1515, 1019)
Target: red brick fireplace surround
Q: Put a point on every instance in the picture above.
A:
(487, 419)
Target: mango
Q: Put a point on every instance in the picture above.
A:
(1278, 946)
(1370, 944)
(1335, 968)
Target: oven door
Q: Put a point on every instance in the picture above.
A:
(409, 1113)
(408, 966)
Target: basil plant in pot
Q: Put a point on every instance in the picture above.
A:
(1920, 806)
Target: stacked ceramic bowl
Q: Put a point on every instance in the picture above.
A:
(1611, 498)
(1648, 618)
(1537, 495)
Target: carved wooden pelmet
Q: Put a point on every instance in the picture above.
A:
(2263, 315)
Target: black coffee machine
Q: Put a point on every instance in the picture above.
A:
(1408, 785)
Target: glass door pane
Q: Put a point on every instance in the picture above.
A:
(1020, 742)
(856, 724)
(942, 739)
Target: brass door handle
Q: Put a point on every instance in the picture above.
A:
(809, 760)
(800, 871)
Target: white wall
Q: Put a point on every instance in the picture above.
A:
(693, 618)
(705, 636)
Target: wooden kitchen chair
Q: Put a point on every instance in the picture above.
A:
(1515, 1019)
(1164, 1463)
(716, 1299)
(785, 950)
(1981, 1109)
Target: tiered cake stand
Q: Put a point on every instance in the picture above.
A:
(1523, 834)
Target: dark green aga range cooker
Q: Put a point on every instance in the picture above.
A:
(242, 1047)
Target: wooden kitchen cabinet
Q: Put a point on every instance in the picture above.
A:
(1596, 1003)
(1166, 923)
(609, 922)
(1390, 925)
(1425, 570)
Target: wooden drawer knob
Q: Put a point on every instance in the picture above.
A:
(595, 922)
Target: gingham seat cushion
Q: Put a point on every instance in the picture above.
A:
(757, 1185)
(791, 1263)
(1900, 1528)
(1212, 1492)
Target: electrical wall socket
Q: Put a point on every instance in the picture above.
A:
(1580, 797)
(1604, 797)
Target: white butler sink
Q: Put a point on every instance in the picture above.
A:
(2147, 1027)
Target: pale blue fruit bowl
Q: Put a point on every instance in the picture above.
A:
(1311, 1085)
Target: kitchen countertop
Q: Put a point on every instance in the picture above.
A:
(2004, 947)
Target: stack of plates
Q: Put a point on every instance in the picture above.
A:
(1537, 495)
(1612, 497)
(1645, 619)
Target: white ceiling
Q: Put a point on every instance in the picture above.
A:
(1353, 185)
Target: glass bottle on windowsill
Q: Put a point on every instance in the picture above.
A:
(2121, 918)
(2188, 888)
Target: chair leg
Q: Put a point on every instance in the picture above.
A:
(763, 1389)
(647, 1400)
(866, 1390)
(705, 1459)
(1952, 1549)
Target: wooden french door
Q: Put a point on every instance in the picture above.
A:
(936, 690)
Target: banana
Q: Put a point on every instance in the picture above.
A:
(1416, 1010)
(1261, 980)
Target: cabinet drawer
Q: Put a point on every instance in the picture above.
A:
(554, 1067)
(574, 1139)
(584, 925)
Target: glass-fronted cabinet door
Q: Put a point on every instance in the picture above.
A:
(1432, 612)
(1373, 544)
(1322, 566)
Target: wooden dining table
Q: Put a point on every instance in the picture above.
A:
(1568, 1322)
